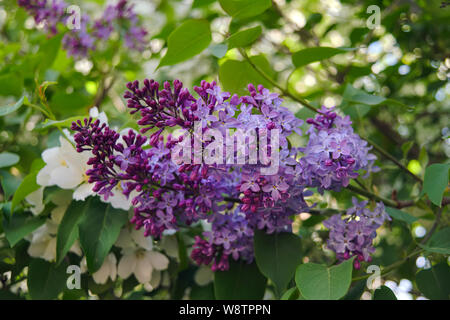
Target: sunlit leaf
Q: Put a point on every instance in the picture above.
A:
(186, 41)
(245, 8)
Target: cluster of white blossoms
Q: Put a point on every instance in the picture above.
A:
(138, 258)
(65, 168)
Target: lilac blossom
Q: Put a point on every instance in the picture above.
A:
(353, 234)
(79, 42)
(234, 199)
(334, 153)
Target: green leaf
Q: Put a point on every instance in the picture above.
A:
(218, 50)
(401, 215)
(236, 75)
(28, 184)
(11, 85)
(291, 294)
(309, 55)
(244, 38)
(240, 9)
(406, 147)
(66, 123)
(48, 52)
(8, 159)
(277, 256)
(9, 183)
(19, 225)
(202, 292)
(435, 182)
(45, 280)
(69, 103)
(11, 108)
(384, 293)
(98, 231)
(434, 283)
(439, 242)
(68, 229)
(356, 290)
(354, 95)
(242, 281)
(317, 282)
(356, 103)
(201, 3)
(186, 41)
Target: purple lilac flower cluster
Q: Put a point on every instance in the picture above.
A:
(124, 16)
(231, 235)
(234, 198)
(48, 13)
(78, 42)
(353, 234)
(334, 153)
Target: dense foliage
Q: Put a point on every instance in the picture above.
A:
(98, 98)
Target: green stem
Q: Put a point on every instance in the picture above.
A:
(390, 157)
(390, 267)
(276, 85)
(372, 196)
(45, 112)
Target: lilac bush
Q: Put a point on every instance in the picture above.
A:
(234, 198)
(78, 42)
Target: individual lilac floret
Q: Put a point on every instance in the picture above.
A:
(353, 234)
(334, 154)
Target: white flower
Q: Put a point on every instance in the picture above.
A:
(118, 200)
(107, 270)
(36, 200)
(139, 259)
(43, 242)
(204, 275)
(65, 167)
(134, 238)
(141, 262)
(93, 112)
(43, 239)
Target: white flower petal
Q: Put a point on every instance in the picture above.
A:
(143, 270)
(156, 278)
(124, 240)
(37, 249)
(83, 191)
(112, 266)
(51, 156)
(43, 177)
(101, 276)
(141, 240)
(204, 275)
(65, 177)
(50, 250)
(35, 199)
(170, 246)
(57, 214)
(158, 260)
(127, 265)
(76, 249)
(107, 270)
